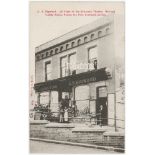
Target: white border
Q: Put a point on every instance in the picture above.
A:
(140, 75)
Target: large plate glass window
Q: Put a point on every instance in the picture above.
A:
(82, 100)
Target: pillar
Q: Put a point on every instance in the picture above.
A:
(49, 105)
(38, 98)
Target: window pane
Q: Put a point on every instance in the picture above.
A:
(92, 107)
(44, 98)
(102, 92)
(72, 63)
(92, 58)
(48, 70)
(63, 66)
(63, 71)
(82, 93)
(92, 53)
(72, 59)
(54, 103)
(63, 61)
(82, 100)
(82, 107)
(48, 76)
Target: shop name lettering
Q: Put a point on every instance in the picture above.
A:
(83, 81)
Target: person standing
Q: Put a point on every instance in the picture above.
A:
(66, 115)
(66, 101)
(61, 114)
(101, 116)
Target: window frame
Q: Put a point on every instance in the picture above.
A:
(46, 74)
(74, 53)
(61, 65)
(68, 61)
(95, 46)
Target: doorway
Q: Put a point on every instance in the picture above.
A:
(101, 106)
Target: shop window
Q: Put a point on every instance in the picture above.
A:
(54, 105)
(92, 107)
(82, 100)
(92, 58)
(44, 98)
(63, 66)
(72, 64)
(65, 94)
(47, 71)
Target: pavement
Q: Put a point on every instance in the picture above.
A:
(66, 144)
(45, 147)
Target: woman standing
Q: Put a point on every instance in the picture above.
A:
(66, 115)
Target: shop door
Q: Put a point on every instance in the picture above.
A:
(101, 106)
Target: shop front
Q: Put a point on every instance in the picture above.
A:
(82, 98)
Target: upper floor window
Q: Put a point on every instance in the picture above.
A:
(68, 65)
(72, 64)
(63, 66)
(47, 71)
(92, 58)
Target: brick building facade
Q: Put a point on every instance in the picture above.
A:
(80, 65)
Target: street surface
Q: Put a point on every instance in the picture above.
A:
(44, 147)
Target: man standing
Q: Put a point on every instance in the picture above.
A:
(61, 114)
(101, 115)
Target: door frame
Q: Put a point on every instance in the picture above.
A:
(97, 97)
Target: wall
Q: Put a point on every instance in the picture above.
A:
(72, 134)
(105, 47)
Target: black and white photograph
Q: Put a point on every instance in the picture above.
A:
(77, 77)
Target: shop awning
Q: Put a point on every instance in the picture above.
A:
(66, 83)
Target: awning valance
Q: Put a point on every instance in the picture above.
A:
(66, 83)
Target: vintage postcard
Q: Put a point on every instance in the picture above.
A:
(77, 85)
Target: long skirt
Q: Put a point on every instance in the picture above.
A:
(66, 116)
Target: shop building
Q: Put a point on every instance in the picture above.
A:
(79, 66)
